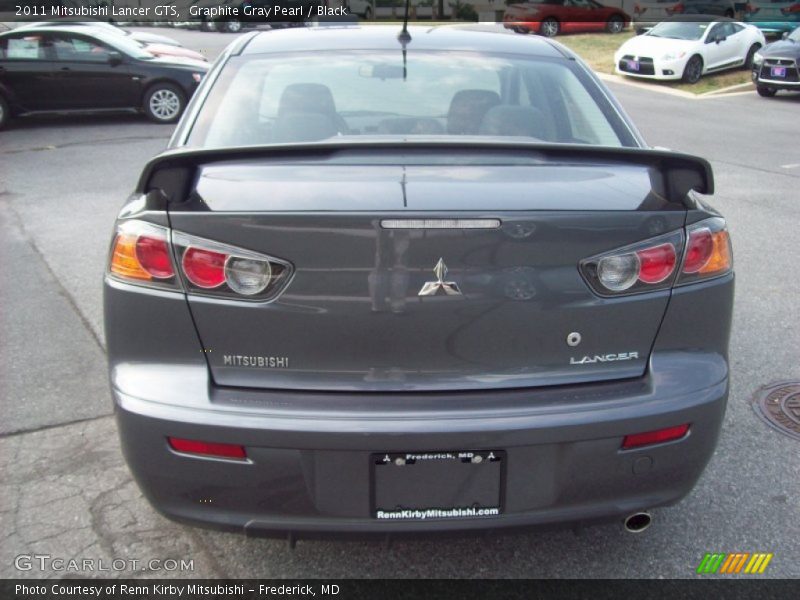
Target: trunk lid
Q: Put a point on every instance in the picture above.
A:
(352, 317)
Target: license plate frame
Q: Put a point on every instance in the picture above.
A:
(634, 65)
(778, 72)
(449, 485)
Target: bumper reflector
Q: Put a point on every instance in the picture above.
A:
(207, 448)
(654, 437)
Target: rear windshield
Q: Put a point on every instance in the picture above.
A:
(305, 98)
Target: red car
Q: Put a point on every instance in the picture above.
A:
(551, 17)
(165, 50)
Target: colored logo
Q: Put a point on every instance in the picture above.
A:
(738, 562)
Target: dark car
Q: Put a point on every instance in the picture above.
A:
(551, 17)
(431, 284)
(777, 66)
(60, 69)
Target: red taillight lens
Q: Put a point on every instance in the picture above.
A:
(153, 256)
(658, 436)
(708, 251)
(207, 448)
(204, 268)
(657, 263)
(698, 250)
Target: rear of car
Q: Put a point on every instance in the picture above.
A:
(401, 288)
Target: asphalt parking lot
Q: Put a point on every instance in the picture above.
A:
(67, 493)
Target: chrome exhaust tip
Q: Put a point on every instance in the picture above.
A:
(638, 522)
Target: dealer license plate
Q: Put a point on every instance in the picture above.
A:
(415, 486)
(779, 71)
(633, 65)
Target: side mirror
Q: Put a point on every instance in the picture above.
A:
(114, 58)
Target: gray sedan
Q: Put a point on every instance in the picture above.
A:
(387, 283)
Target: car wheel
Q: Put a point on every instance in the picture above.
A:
(233, 26)
(549, 27)
(748, 62)
(164, 103)
(766, 92)
(693, 70)
(5, 113)
(615, 24)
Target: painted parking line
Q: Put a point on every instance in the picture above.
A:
(790, 166)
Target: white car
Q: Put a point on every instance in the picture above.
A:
(687, 49)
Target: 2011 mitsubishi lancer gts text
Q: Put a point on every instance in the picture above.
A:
(385, 283)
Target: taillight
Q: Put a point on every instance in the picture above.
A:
(658, 436)
(214, 449)
(642, 267)
(154, 256)
(655, 264)
(204, 268)
(140, 253)
(708, 251)
(147, 254)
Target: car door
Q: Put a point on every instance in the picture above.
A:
(88, 77)
(716, 47)
(740, 45)
(578, 15)
(26, 71)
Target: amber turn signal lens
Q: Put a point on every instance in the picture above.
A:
(720, 259)
(123, 259)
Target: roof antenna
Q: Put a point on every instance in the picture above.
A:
(404, 38)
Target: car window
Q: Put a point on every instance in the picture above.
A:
(301, 98)
(73, 48)
(29, 46)
(736, 27)
(715, 31)
(679, 30)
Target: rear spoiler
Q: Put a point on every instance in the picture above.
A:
(172, 172)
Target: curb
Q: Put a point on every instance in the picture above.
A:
(660, 89)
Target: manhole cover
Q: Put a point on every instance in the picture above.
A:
(779, 405)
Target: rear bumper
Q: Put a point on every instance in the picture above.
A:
(309, 467)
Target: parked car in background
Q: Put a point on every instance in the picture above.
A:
(69, 69)
(685, 48)
(551, 17)
(373, 291)
(250, 13)
(646, 13)
(139, 36)
(773, 17)
(777, 66)
(386, 9)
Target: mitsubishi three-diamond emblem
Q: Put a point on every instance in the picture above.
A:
(431, 288)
